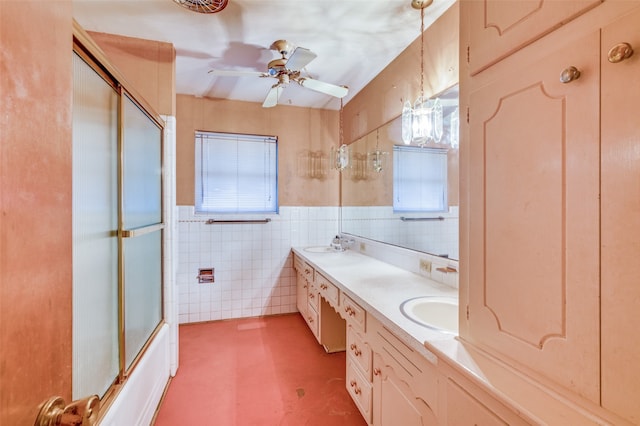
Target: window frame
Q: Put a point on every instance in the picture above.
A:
(271, 187)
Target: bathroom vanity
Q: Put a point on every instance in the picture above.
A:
(399, 371)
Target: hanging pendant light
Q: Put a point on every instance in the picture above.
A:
(422, 113)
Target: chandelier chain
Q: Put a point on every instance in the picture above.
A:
(422, 53)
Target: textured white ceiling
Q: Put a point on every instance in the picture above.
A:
(354, 40)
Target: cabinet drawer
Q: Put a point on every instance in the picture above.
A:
(359, 351)
(303, 269)
(298, 263)
(360, 390)
(313, 297)
(353, 313)
(312, 320)
(329, 291)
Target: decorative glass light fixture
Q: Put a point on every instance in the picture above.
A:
(375, 159)
(203, 6)
(454, 131)
(423, 123)
(341, 156)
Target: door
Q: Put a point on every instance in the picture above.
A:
(500, 27)
(35, 207)
(621, 219)
(534, 198)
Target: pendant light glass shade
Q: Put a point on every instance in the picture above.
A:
(422, 123)
(436, 119)
(454, 131)
(407, 118)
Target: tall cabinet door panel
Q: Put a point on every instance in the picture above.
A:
(500, 27)
(621, 220)
(534, 263)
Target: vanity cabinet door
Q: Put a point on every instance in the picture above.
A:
(394, 400)
(621, 221)
(533, 241)
(500, 27)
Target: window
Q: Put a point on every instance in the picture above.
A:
(419, 179)
(236, 173)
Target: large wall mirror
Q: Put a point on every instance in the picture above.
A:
(405, 194)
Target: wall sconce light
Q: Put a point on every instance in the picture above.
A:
(376, 160)
(340, 157)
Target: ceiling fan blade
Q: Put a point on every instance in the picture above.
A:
(273, 96)
(236, 73)
(327, 88)
(300, 58)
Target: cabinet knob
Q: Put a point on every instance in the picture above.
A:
(620, 52)
(376, 371)
(569, 74)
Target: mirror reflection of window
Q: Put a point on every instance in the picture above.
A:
(419, 179)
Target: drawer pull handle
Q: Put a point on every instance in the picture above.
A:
(323, 286)
(620, 52)
(355, 349)
(310, 319)
(376, 371)
(353, 383)
(569, 74)
(357, 391)
(311, 296)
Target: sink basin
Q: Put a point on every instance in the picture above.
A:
(436, 312)
(320, 249)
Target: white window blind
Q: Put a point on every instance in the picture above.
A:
(419, 179)
(236, 173)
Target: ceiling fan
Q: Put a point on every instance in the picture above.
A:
(287, 69)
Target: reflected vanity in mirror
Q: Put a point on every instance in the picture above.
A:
(405, 194)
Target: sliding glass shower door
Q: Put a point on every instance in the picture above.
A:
(117, 230)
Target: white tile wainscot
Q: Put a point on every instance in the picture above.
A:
(253, 268)
(470, 386)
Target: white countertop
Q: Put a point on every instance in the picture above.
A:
(380, 288)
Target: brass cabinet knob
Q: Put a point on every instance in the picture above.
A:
(620, 52)
(569, 74)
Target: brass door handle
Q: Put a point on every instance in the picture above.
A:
(83, 412)
(620, 52)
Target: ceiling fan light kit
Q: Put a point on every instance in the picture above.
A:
(287, 68)
(203, 6)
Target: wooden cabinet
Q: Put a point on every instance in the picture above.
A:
(317, 303)
(405, 384)
(534, 193)
(500, 27)
(551, 211)
(620, 129)
(302, 285)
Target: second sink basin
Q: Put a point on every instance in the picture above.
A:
(320, 249)
(437, 312)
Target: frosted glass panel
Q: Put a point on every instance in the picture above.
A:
(142, 168)
(142, 291)
(95, 220)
